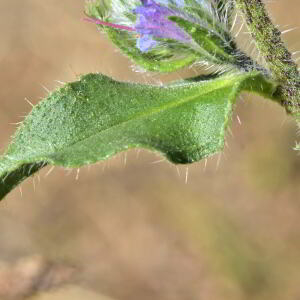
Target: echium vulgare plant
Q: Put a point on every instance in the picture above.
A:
(95, 117)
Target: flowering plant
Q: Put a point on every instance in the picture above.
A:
(96, 117)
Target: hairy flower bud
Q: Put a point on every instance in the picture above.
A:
(165, 35)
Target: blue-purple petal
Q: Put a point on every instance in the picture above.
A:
(146, 43)
(153, 22)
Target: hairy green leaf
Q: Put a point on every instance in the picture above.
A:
(96, 117)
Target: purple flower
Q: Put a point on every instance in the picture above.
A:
(152, 22)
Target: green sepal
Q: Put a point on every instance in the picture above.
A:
(161, 59)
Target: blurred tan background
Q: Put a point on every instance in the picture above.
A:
(133, 228)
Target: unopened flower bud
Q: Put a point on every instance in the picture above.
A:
(165, 35)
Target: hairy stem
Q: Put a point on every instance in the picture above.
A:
(278, 59)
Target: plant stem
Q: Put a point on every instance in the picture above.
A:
(278, 59)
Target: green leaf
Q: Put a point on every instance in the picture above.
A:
(96, 117)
